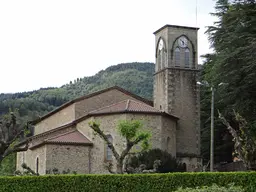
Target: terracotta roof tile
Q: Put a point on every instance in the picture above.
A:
(126, 106)
(70, 137)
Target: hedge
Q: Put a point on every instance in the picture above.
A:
(126, 183)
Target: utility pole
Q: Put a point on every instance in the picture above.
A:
(212, 132)
(205, 83)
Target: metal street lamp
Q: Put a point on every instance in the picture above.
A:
(205, 83)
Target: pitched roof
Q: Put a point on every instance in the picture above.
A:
(91, 95)
(73, 137)
(128, 105)
(70, 137)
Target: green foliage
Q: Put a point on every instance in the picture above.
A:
(132, 131)
(8, 165)
(168, 162)
(127, 183)
(213, 188)
(135, 77)
(233, 37)
(55, 171)
(244, 142)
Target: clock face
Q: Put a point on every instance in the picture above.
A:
(161, 44)
(183, 42)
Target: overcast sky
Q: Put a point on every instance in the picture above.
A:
(45, 43)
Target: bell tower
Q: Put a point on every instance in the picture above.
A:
(175, 89)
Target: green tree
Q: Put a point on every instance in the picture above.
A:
(244, 140)
(223, 145)
(10, 135)
(132, 132)
(233, 38)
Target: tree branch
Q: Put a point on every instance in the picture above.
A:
(109, 167)
(96, 128)
(3, 143)
(130, 144)
(236, 138)
(9, 150)
(16, 136)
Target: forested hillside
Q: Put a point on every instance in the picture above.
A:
(135, 77)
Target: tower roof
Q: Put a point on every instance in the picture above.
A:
(175, 26)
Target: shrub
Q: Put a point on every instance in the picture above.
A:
(168, 162)
(126, 183)
(213, 188)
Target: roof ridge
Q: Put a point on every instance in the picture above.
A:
(91, 112)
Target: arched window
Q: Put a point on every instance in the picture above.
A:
(168, 143)
(108, 150)
(160, 55)
(177, 57)
(37, 165)
(160, 59)
(187, 57)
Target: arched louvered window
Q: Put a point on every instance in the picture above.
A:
(108, 150)
(160, 55)
(187, 55)
(177, 57)
(160, 59)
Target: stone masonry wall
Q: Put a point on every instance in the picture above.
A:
(168, 135)
(160, 91)
(192, 163)
(29, 157)
(60, 118)
(175, 89)
(64, 157)
(152, 123)
(184, 103)
(98, 153)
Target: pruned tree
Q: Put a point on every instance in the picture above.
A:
(10, 134)
(132, 132)
(244, 140)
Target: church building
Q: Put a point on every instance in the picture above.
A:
(63, 139)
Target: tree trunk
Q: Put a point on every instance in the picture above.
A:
(119, 167)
